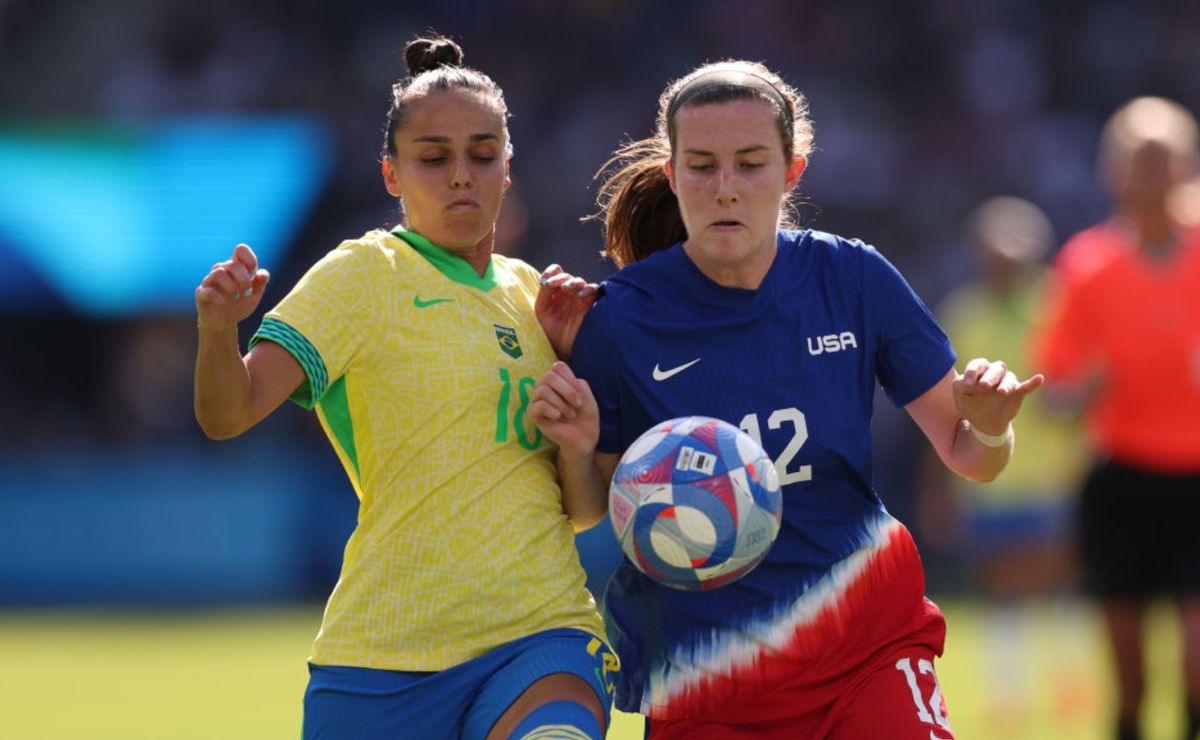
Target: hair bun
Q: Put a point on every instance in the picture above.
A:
(424, 54)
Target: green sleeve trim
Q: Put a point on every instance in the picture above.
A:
(311, 391)
(450, 265)
(337, 416)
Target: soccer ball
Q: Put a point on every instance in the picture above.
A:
(695, 503)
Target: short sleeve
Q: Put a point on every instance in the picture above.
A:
(321, 321)
(592, 360)
(914, 352)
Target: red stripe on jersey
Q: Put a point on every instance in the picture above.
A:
(882, 605)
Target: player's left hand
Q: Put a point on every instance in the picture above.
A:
(562, 301)
(988, 395)
(564, 408)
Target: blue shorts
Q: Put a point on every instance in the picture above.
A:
(464, 701)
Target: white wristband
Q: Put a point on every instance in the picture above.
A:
(992, 440)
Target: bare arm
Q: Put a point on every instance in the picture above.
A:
(584, 483)
(606, 463)
(565, 410)
(233, 393)
(960, 412)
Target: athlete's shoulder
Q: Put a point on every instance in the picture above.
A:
(823, 244)
(512, 263)
(610, 300)
(817, 239)
(626, 292)
(650, 267)
(524, 272)
(375, 246)
(642, 281)
(351, 262)
(831, 257)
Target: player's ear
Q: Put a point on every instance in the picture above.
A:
(507, 174)
(389, 178)
(795, 171)
(670, 170)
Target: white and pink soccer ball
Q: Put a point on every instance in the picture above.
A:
(695, 503)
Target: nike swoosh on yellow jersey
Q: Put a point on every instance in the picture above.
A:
(432, 301)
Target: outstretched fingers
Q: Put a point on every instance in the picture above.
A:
(1029, 385)
(555, 284)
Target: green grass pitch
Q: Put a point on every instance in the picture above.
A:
(239, 674)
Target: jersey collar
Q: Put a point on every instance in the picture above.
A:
(451, 265)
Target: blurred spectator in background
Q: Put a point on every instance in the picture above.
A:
(151, 368)
(1122, 342)
(1017, 530)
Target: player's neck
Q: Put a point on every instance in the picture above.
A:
(478, 256)
(746, 274)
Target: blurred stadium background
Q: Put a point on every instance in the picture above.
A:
(157, 585)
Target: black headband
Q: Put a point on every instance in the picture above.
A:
(734, 78)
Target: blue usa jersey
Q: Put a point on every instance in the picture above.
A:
(795, 364)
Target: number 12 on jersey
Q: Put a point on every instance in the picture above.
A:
(783, 465)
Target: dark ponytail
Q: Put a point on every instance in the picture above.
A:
(638, 209)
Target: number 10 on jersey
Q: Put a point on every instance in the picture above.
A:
(524, 385)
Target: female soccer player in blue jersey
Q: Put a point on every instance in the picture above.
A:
(718, 311)
(461, 610)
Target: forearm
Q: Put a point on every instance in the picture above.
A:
(584, 490)
(222, 393)
(977, 452)
(977, 459)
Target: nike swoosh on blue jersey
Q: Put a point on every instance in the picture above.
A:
(661, 375)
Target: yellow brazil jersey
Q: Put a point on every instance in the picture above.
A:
(420, 371)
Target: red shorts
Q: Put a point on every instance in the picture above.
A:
(896, 697)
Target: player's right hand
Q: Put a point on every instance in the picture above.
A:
(231, 290)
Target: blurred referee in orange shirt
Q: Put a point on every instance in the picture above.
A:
(1122, 338)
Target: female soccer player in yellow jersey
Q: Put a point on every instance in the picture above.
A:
(460, 610)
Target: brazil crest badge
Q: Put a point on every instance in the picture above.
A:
(508, 341)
